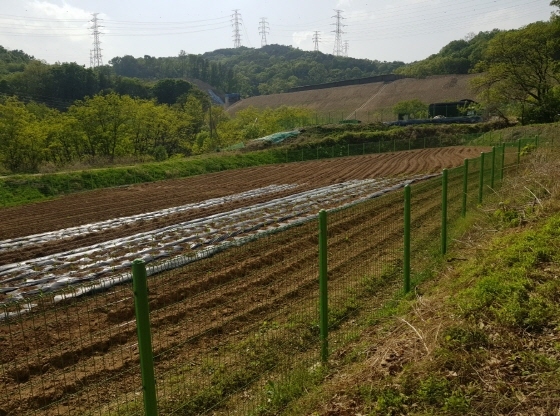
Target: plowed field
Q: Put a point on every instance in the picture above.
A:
(73, 358)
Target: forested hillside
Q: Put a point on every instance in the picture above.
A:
(277, 68)
(457, 57)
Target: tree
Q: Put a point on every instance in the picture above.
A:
(411, 108)
(167, 91)
(105, 121)
(521, 67)
(21, 137)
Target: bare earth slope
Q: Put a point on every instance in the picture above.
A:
(366, 98)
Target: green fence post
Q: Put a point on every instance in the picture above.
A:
(537, 141)
(323, 296)
(363, 148)
(140, 288)
(465, 188)
(481, 178)
(302, 155)
(444, 212)
(503, 161)
(379, 146)
(493, 169)
(348, 149)
(406, 251)
(518, 152)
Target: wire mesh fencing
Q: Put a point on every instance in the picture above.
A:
(237, 327)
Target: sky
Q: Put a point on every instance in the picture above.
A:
(384, 30)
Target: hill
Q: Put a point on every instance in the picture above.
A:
(277, 68)
(367, 102)
(457, 57)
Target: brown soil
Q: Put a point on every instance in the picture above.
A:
(83, 354)
(367, 99)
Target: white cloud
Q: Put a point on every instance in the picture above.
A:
(63, 12)
(301, 37)
(71, 22)
(343, 4)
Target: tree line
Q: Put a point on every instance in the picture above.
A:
(247, 71)
(109, 127)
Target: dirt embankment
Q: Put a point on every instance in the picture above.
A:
(366, 99)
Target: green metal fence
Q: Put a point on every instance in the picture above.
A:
(241, 330)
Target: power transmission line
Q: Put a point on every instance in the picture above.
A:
(97, 59)
(338, 32)
(316, 40)
(263, 31)
(235, 22)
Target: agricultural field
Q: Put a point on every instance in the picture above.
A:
(92, 237)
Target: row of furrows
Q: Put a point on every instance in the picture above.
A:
(196, 286)
(182, 187)
(229, 273)
(98, 205)
(360, 254)
(30, 251)
(303, 287)
(95, 261)
(263, 281)
(39, 238)
(109, 203)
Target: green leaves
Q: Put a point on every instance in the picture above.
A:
(21, 137)
(521, 66)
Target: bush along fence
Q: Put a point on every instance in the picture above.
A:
(245, 329)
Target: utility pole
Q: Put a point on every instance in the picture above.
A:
(338, 32)
(97, 59)
(235, 22)
(263, 31)
(346, 48)
(316, 40)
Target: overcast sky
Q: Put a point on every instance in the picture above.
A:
(387, 30)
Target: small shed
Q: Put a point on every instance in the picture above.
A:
(450, 109)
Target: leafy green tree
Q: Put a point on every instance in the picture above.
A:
(105, 121)
(70, 82)
(412, 108)
(153, 126)
(457, 57)
(65, 141)
(132, 87)
(167, 91)
(521, 67)
(21, 137)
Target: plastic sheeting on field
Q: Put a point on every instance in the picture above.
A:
(277, 137)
